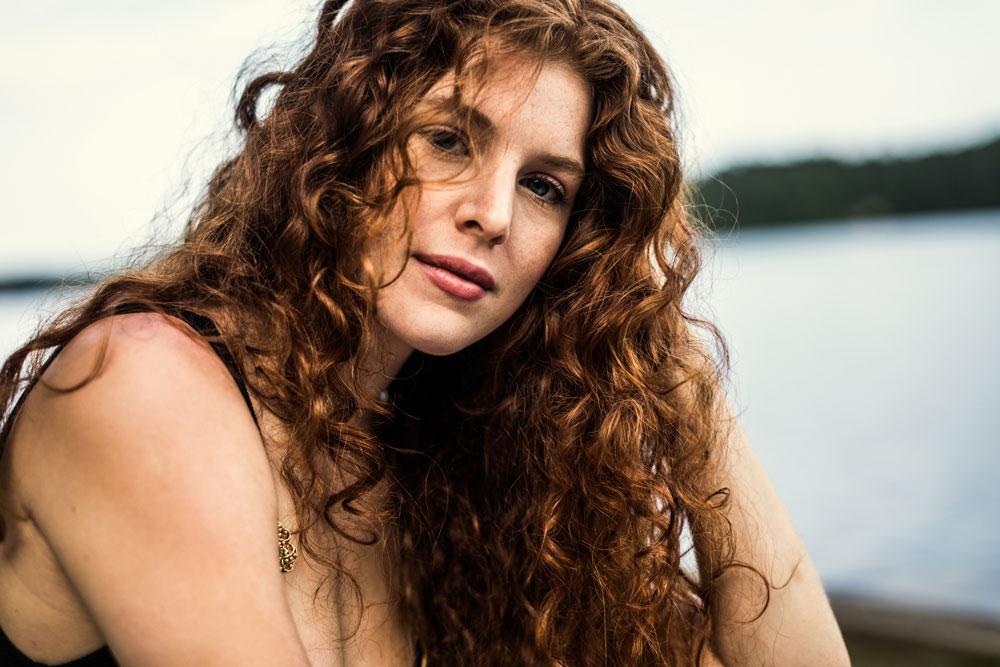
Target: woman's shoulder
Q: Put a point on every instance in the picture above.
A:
(127, 392)
(137, 460)
(134, 346)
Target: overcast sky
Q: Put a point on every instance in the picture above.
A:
(108, 107)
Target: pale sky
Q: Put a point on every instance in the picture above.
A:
(108, 107)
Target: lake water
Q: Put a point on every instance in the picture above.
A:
(866, 369)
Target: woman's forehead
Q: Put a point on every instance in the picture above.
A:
(506, 85)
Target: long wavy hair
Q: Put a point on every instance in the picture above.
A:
(541, 479)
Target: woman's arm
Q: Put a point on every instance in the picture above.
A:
(152, 488)
(798, 626)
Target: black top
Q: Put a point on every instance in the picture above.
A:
(11, 657)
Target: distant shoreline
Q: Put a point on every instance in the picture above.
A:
(826, 189)
(34, 283)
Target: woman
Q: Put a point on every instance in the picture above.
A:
(445, 274)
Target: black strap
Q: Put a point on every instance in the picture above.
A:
(206, 327)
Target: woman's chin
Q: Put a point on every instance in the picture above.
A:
(436, 331)
(437, 346)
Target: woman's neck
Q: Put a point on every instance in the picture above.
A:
(382, 364)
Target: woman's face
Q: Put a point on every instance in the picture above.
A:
(483, 234)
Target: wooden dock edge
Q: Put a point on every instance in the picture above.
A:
(965, 633)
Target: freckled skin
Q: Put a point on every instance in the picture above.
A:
(493, 216)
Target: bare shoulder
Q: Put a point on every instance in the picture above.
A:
(152, 488)
(135, 347)
(134, 389)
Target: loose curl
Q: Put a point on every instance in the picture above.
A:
(540, 480)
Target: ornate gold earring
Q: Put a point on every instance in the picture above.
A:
(287, 553)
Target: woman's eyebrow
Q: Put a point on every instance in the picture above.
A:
(479, 122)
(563, 163)
(481, 125)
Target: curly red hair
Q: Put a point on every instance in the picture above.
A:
(540, 480)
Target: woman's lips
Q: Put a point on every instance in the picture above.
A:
(456, 276)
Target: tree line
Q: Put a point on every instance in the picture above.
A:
(821, 189)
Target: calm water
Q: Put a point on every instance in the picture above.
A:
(867, 372)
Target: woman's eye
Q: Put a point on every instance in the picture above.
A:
(446, 142)
(544, 189)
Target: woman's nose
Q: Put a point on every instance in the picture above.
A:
(487, 205)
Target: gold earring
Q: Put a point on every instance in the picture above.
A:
(287, 553)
